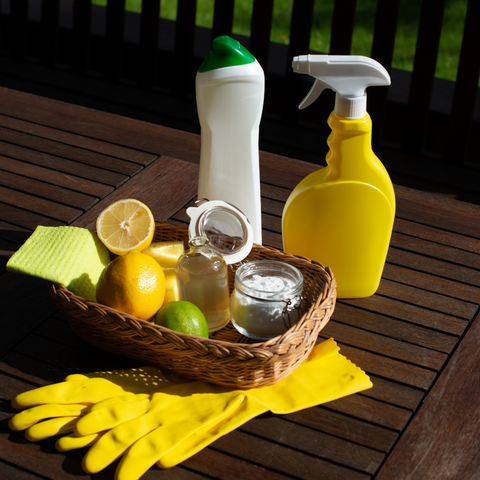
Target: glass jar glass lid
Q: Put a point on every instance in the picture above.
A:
(226, 227)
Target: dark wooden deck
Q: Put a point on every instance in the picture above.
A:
(418, 337)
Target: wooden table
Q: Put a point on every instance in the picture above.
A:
(418, 337)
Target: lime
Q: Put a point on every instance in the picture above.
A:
(183, 317)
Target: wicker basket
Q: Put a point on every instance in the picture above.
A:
(227, 358)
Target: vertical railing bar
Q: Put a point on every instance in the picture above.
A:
(343, 22)
(425, 61)
(50, 18)
(181, 75)
(18, 28)
(223, 18)
(383, 45)
(82, 19)
(149, 30)
(261, 29)
(466, 88)
(115, 32)
(300, 31)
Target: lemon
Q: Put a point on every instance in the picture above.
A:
(133, 283)
(183, 317)
(126, 225)
(167, 255)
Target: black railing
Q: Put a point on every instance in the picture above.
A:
(417, 117)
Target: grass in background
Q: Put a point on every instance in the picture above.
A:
(409, 15)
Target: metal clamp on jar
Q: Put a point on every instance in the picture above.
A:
(267, 297)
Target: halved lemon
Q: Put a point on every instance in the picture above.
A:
(126, 225)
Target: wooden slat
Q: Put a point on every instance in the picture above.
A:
(67, 166)
(342, 27)
(44, 190)
(80, 141)
(371, 410)
(316, 443)
(432, 301)
(37, 460)
(82, 24)
(389, 347)
(394, 393)
(394, 370)
(261, 28)
(40, 206)
(466, 88)
(438, 211)
(444, 433)
(391, 327)
(102, 126)
(22, 218)
(164, 185)
(213, 463)
(441, 268)
(52, 147)
(284, 460)
(438, 235)
(432, 283)
(420, 314)
(115, 32)
(444, 253)
(425, 62)
(75, 185)
(36, 373)
(344, 426)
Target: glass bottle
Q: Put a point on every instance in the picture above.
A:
(202, 278)
(266, 300)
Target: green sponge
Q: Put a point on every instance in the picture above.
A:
(71, 256)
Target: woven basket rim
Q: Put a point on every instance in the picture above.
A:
(57, 288)
(139, 324)
(228, 359)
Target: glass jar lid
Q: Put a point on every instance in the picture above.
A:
(227, 229)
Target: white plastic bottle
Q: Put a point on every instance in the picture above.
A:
(230, 87)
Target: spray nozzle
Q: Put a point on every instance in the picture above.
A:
(348, 75)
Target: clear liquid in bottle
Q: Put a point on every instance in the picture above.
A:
(202, 278)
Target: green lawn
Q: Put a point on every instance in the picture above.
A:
(362, 38)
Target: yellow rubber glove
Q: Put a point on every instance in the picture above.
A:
(64, 402)
(325, 376)
(170, 416)
(175, 424)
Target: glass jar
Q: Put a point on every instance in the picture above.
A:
(202, 278)
(266, 300)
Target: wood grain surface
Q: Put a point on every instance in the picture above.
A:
(417, 337)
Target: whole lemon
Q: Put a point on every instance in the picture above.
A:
(133, 283)
(183, 317)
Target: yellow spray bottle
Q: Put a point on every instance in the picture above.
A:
(342, 215)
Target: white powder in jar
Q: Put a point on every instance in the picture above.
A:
(269, 283)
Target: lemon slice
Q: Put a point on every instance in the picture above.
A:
(126, 225)
(167, 255)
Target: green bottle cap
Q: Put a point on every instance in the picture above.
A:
(226, 52)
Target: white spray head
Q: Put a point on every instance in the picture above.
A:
(348, 75)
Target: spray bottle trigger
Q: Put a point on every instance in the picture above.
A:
(317, 88)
